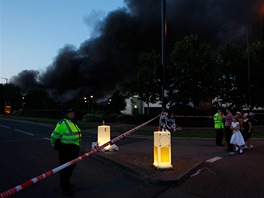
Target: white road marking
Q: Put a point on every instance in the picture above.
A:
(7, 127)
(24, 132)
(214, 159)
(198, 172)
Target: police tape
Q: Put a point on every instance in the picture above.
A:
(183, 116)
(59, 168)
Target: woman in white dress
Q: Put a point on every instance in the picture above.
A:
(237, 139)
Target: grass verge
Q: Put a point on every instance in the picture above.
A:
(198, 132)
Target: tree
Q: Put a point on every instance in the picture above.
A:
(232, 75)
(38, 98)
(10, 95)
(116, 103)
(191, 74)
(13, 96)
(256, 68)
(142, 83)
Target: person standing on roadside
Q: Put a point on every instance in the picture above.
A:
(247, 130)
(219, 127)
(228, 131)
(66, 139)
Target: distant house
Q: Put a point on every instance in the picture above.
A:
(136, 106)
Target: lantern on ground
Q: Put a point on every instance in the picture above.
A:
(162, 150)
(103, 135)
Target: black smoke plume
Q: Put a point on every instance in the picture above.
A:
(102, 61)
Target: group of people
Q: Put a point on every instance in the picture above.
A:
(237, 128)
(66, 137)
(167, 122)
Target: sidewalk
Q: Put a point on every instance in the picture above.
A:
(187, 156)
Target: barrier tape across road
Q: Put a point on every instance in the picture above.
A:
(59, 168)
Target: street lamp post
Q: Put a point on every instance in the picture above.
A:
(262, 15)
(248, 63)
(6, 79)
(5, 94)
(163, 49)
(261, 12)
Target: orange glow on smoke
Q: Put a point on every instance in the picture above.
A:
(262, 9)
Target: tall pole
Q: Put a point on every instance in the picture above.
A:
(262, 21)
(163, 49)
(262, 18)
(263, 41)
(248, 62)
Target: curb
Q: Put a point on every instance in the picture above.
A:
(150, 174)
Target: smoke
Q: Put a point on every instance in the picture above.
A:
(110, 55)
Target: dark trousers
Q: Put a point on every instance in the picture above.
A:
(244, 134)
(67, 152)
(219, 136)
(228, 134)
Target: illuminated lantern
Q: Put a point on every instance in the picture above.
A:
(103, 135)
(162, 150)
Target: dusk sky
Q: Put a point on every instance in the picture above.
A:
(32, 31)
(80, 47)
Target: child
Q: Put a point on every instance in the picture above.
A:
(163, 121)
(172, 125)
(237, 138)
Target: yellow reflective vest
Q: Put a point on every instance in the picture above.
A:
(66, 132)
(218, 121)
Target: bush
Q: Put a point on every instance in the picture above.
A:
(97, 117)
(91, 117)
(41, 113)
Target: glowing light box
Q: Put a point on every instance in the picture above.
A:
(103, 135)
(162, 150)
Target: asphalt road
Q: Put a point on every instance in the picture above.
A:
(26, 152)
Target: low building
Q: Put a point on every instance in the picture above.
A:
(136, 106)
